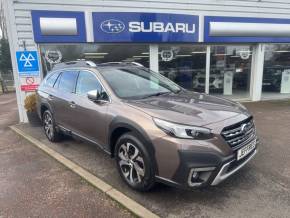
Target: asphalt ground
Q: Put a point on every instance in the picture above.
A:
(32, 184)
(260, 189)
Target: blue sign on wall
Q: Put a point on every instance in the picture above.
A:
(144, 27)
(27, 62)
(247, 21)
(40, 37)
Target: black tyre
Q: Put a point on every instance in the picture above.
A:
(49, 127)
(134, 163)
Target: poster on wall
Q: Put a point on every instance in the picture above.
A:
(29, 83)
(285, 82)
(28, 70)
(27, 63)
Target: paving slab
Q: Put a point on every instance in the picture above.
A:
(260, 189)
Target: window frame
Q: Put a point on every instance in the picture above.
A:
(59, 78)
(49, 76)
(97, 78)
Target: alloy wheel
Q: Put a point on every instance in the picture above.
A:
(131, 163)
(48, 125)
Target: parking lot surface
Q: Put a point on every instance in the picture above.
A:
(32, 184)
(260, 189)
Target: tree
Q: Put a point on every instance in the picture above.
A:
(5, 62)
(3, 21)
(5, 57)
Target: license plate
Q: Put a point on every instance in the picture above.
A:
(244, 151)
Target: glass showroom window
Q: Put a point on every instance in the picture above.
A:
(276, 76)
(184, 64)
(98, 53)
(230, 71)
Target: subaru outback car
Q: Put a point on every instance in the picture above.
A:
(155, 130)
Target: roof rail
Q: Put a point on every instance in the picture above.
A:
(138, 64)
(120, 63)
(78, 63)
(84, 63)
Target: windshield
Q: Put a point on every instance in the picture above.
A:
(137, 83)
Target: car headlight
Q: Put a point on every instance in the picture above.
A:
(183, 131)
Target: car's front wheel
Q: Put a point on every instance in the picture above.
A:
(49, 127)
(133, 162)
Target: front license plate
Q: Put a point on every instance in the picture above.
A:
(244, 151)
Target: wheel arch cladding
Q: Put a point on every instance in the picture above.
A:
(43, 108)
(120, 126)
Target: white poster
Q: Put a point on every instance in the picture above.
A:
(285, 82)
(228, 83)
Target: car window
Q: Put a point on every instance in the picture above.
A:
(87, 82)
(137, 82)
(67, 81)
(51, 79)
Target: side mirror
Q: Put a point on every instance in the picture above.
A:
(94, 95)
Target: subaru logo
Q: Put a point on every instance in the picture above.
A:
(112, 26)
(244, 128)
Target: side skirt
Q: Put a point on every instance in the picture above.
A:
(83, 138)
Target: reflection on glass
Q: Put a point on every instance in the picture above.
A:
(230, 71)
(55, 53)
(276, 76)
(184, 64)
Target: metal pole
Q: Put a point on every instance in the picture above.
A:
(207, 69)
(153, 55)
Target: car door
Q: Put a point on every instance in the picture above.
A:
(63, 99)
(90, 118)
(47, 91)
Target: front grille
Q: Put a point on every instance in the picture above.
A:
(239, 134)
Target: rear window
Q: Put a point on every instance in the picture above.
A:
(67, 81)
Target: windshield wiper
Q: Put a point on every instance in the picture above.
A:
(156, 94)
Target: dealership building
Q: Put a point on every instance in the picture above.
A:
(231, 48)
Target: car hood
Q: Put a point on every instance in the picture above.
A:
(189, 108)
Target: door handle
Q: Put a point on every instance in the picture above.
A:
(72, 104)
(50, 97)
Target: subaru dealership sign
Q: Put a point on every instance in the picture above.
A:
(144, 27)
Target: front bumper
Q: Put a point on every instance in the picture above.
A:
(231, 167)
(211, 167)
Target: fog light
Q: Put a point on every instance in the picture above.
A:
(198, 176)
(194, 175)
